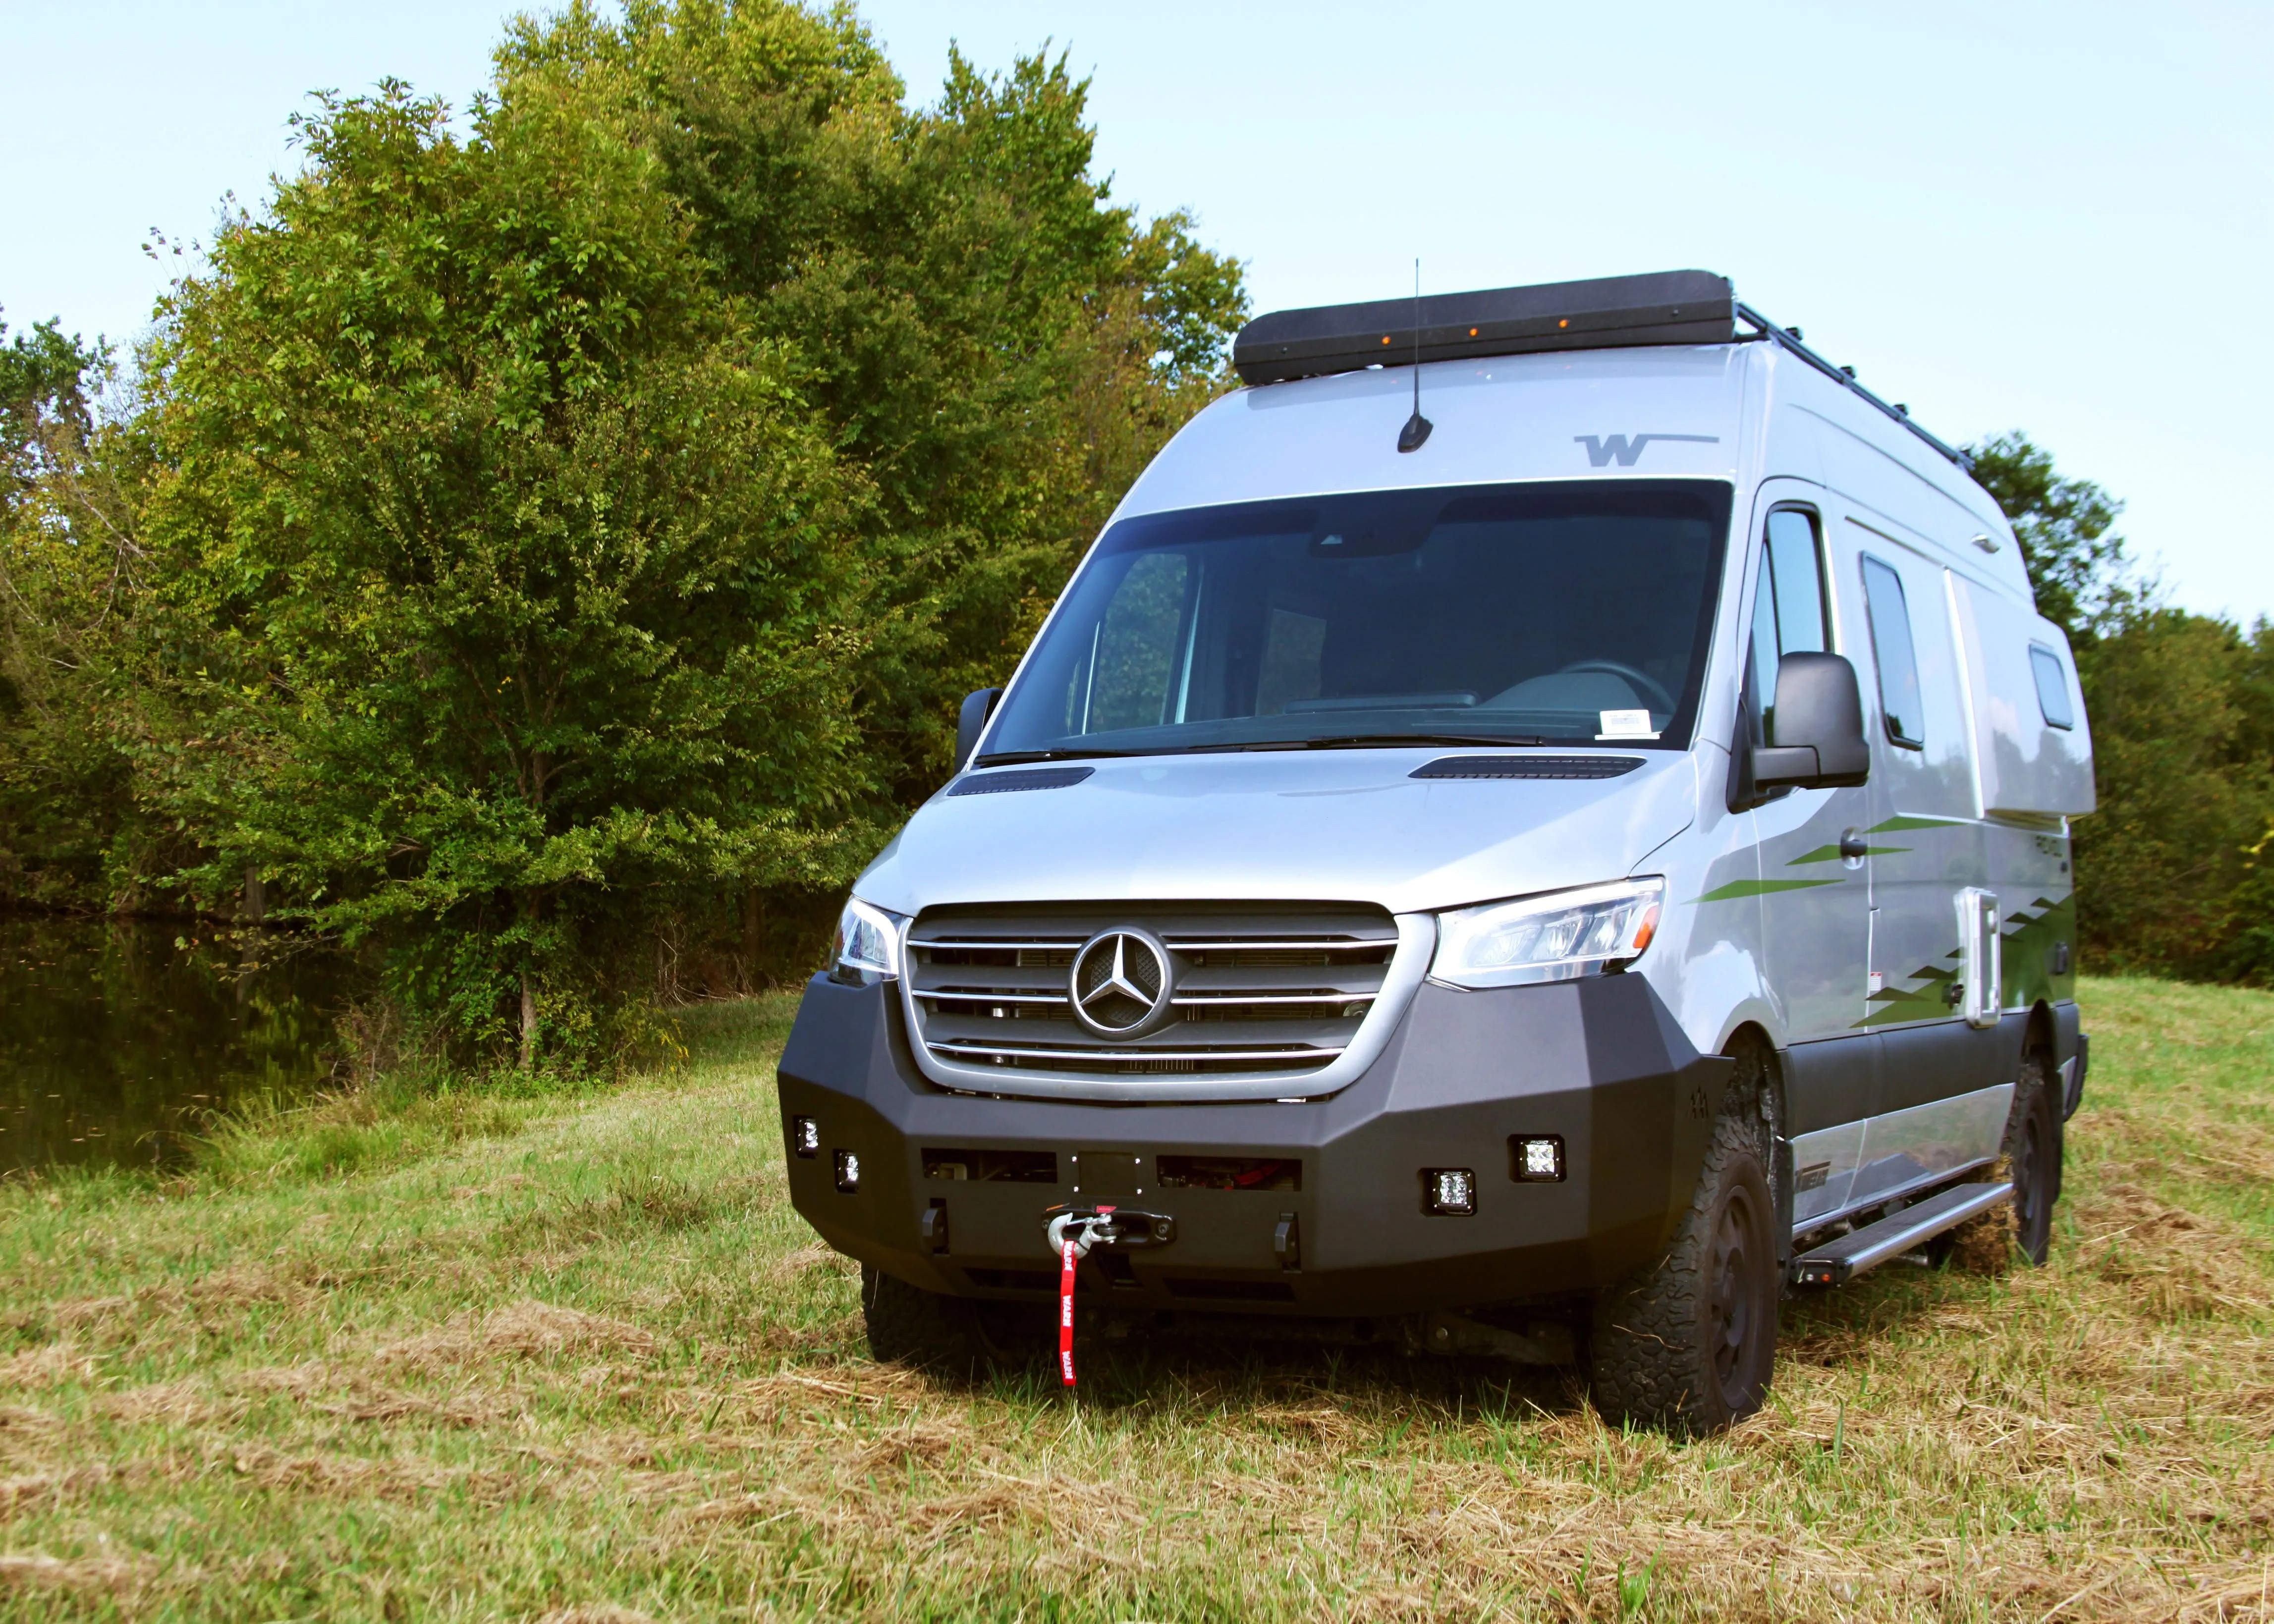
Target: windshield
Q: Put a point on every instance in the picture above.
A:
(1549, 613)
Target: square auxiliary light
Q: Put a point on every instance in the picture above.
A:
(1537, 1159)
(805, 1136)
(1449, 1192)
(849, 1173)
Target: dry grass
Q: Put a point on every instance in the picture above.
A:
(579, 1362)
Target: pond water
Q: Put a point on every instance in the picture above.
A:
(115, 1044)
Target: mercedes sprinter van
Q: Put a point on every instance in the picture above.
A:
(1540, 826)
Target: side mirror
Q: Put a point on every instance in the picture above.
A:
(971, 721)
(1818, 727)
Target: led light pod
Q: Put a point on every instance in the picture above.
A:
(1536, 1159)
(1449, 1192)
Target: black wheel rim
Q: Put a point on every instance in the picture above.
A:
(1734, 1299)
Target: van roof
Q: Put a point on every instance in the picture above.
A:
(1603, 312)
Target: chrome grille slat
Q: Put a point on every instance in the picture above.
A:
(1189, 944)
(1217, 1001)
(1276, 990)
(987, 995)
(1069, 1052)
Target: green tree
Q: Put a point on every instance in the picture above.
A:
(507, 575)
(72, 580)
(998, 345)
(2186, 792)
(529, 547)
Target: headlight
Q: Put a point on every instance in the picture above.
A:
(1551, 938)
(868, 947)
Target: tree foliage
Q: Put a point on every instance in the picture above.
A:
(997, 346)
(71, 700)
(516, 571)
(540, 547)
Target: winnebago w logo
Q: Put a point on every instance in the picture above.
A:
(1603, 451)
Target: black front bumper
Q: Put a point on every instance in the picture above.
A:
(1599, 1062)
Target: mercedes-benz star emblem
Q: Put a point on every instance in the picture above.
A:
(1120, 984)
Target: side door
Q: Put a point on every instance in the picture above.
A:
(1933, 944)
(1814, 883)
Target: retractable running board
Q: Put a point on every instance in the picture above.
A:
(1839, 1261)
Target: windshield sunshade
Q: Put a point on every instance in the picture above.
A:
(1542, 613)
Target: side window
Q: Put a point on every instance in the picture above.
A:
(2052, 687)
(1789, 606)
(1133, 662)
(1793, 556)
(1895, 654)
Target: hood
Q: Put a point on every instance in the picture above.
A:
(1330, 825)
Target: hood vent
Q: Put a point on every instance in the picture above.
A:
(1001, 783)
(1528, 767)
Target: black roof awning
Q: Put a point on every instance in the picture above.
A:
(1664, 307)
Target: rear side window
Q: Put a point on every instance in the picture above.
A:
(2052, 687)
(1895, 654)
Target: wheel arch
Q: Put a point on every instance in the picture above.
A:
(1751, 1040)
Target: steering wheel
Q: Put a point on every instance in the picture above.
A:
(1642, 682)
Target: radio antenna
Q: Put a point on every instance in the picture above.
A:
(1417, 427)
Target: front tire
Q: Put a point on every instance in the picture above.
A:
(948, 1335)
(1690, 1343)
(910, 1326)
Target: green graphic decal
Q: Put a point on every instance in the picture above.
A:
(1831, 854)
(1736, 889)
(2026, 952)
(1894, 824)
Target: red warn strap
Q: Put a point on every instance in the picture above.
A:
(1065, 1312)
(1068, 1257)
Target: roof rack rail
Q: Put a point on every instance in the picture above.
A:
(1789, 338)
(1605, 312)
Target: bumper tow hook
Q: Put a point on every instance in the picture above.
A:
(1073, 1231)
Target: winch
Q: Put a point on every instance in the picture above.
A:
(1073, 1231)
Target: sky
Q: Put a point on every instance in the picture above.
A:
(2046, 216)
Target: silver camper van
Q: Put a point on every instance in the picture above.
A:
(1540, 826)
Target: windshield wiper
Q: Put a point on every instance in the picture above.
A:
(1011, 758)
(1359, 742)
(1339, 741)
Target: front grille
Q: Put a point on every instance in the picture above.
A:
(1270, 989)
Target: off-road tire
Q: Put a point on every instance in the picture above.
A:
(2032, 1151)
(2029, 1155)
(948, 1335)
(1689, 1344)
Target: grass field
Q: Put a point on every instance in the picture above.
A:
(576, 1358)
